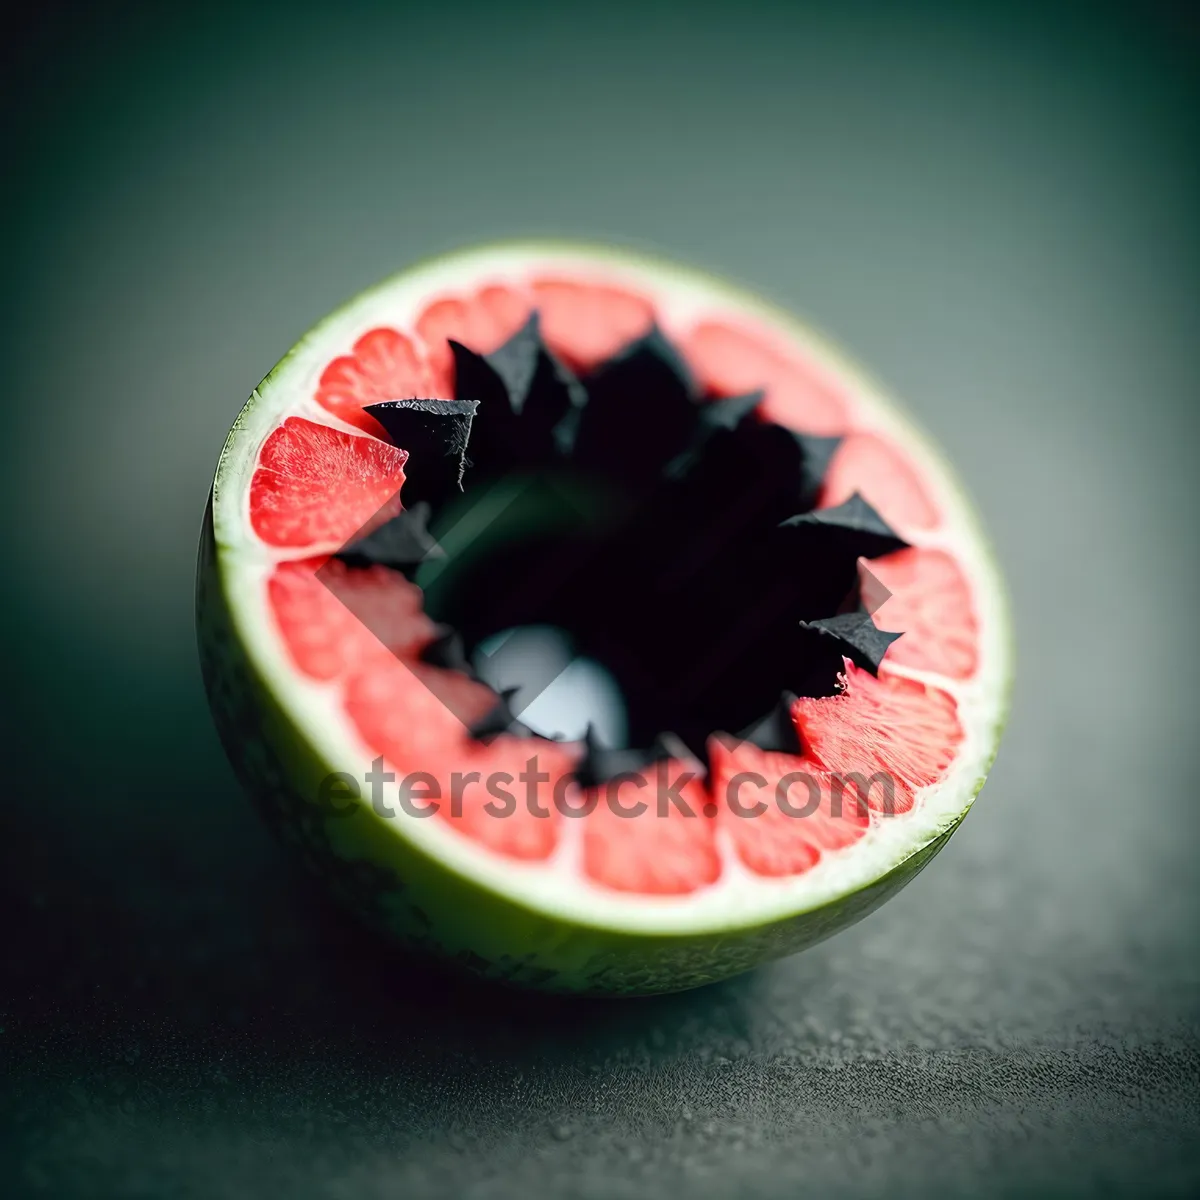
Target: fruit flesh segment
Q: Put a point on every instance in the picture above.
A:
(730, 361)
(317, 485)
(650, 833)
(925, 594)
(585, 324)
(866, 464)
(382, 365)
(502, 795)
(782, 812)
(337, 620)
(483, 321)
(499, 794)
(903, 730)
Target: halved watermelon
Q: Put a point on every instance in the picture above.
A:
(368, 745)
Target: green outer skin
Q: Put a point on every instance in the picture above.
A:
(393, 886)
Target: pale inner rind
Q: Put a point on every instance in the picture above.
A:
(557, 885)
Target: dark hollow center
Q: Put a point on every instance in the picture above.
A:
(620, 551)
(599, 610)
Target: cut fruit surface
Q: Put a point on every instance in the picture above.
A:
(316, 485)
(926, 594)
(732, 360)
(501, 797)
(903, 733)
(865, 463)
(333, 619)
(482, 321)
(586, 322)
(383, 364)
(782, 812)
(650, 833)
(412, 714)
(502, 854)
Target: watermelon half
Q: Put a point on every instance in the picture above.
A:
(326, 672)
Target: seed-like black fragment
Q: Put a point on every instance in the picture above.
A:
(745, 480)
(500, 719)
(728, 412)
(435, 434)
(403, 543)
(713, 418)
(816, 454)
(854, 524)
(856, 636)
(641, 412)
(529, 402)
(777, 730)
(446, 651)
(601, 764)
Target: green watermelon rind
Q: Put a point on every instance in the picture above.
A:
(428, 903)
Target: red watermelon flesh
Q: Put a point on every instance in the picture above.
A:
(825, 814)
(668, 847)
(317, 484)
(383, 364)
(731, 360)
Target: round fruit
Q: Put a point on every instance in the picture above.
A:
(676, 503)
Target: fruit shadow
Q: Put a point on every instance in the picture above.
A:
(388, 988)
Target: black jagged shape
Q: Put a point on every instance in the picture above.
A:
(435, 434)
(529, 402)
(446, 650)
(853, 524)
(601, 764)
(777, 730)
(641, 411)
(500, 719)
(856, 636)
(797, 460)
(708, 525)
(403, 543)
(714, 418)
(756, 574)
(512, 366)
(728, 412)
(816, 454)
(673, 537)
(750, 477)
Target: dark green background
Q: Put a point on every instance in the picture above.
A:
(995, 206)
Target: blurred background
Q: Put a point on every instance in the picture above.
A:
(994, 205)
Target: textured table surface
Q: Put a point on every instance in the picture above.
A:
(996, 209)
